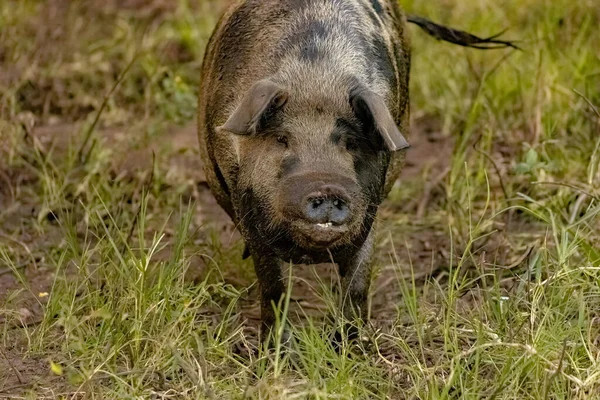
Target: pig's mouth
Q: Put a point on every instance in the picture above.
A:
(320, 235)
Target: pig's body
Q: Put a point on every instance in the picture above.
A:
(317, 54)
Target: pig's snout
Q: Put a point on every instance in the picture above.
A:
(321, 207)
(328, 205)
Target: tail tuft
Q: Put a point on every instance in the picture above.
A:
(460, 38)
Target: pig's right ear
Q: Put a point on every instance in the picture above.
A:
(372, 110)
(262, 98)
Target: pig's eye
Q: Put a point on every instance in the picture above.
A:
(351, 144)
(283, 140)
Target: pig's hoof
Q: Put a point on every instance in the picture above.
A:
(269, 342)
(286, 348)
(351, 339)
(340, 339)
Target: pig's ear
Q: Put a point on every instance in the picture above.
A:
(372, 111)
(263, 97)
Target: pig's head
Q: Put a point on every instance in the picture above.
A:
(311, 169)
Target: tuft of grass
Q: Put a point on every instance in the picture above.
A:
(113, 283)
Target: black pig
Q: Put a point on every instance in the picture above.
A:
(303, 111)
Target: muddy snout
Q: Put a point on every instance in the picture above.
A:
(328, 205)
(320, 207)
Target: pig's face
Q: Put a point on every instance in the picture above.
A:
(310, 176)
(300, 179)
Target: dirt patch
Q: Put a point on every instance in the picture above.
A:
(429, 149)
(20, 372)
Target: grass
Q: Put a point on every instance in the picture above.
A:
(116, 283)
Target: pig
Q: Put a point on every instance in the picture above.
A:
(303, 120)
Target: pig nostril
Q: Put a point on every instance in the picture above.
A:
(327, 209)
(339, 205)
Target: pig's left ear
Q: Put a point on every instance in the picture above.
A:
(372, 110)
(262, 97)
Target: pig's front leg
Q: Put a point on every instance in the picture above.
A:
(268, 272)
(356, 279)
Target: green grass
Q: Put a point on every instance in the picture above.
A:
(112, 286)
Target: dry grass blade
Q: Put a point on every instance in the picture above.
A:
(592, 106)
(80, 153)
